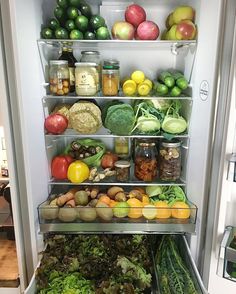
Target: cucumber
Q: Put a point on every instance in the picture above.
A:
(180, 80)
(160, 89)
(175, 91)
(167, 78)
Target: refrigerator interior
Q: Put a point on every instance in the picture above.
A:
(21, 34)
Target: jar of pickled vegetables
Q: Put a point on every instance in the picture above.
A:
(59, 77)
(110, 78)
(145, 162)
(86, 78)
(170, 160)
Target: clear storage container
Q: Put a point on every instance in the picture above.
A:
(59, 77)
(110, 78)
(86, 78)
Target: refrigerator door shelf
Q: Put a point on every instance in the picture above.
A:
(227, 256)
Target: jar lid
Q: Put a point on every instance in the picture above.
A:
(122, 163)
(146, 144)
(58, 62)
(85, 64)
(111, 64)
(90, 52)
(171, 143)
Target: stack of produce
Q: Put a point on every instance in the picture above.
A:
(137, 83)
(95, 264)
(83, 116)
(135, 25)
(172, 272)
(171, 84)
(74, 20)
(96, 203)
(180, 24)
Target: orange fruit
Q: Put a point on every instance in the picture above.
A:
(163, 210)
(136, 207)
(145, 200)
(180, 209)
(105, 199)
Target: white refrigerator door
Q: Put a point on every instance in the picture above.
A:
(222, 195)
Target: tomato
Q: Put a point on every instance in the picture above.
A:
(59, 166)
(108, 160)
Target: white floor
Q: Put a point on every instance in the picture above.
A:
(10, 290)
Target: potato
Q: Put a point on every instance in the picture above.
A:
(120, 197)
(87, 214)
(81, 198)
(104, 211)
(135, 194)
(111, 192)
(49, 212)
(67, 214)
(93, 202)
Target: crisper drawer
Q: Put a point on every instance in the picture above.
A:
(152, 241)
(227, 268)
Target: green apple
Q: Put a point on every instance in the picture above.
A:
(186, 30)
(172, 32)
(183, 13)
(169, 21)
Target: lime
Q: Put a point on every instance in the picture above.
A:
(89, 36)
(97, 21)
(53, 24)
(138, 76)
(149, 211)
(62, 3)
(75, 3)
(143, 89)
(148, 82)
(76, 35)
(129, 88)
(121, 209)
(59, 12)
(72, 12)
(47, 33)
(61, 33)
(70, 25)
(102, 34)
(81, 23)
(85, 9)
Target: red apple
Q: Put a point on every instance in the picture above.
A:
(148, 30)
(123, 30)
(135, 14)
(108, 160)
(186, 30)
(56, 123)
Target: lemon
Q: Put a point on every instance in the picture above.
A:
(129, 88)
(148, 82)
(124, 80)
(138, 76)
(143, 89)
(149, 211)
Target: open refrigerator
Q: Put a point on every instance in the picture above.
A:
(207, 62)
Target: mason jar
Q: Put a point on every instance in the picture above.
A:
(110, 78)
(59, 77)
(145, 162)
(86, 78)
(170, 160)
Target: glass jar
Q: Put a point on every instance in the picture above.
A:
(86, 78)
(170, 160)
(59, 77)
(145, 161)
(110, 78)
(67, 54)
(122, 146)
(122, 168)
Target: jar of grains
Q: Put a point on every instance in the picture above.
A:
(59, 77)
(122, 168)
(86, 78)
(145, 161)
(110, 77)
(170, 160)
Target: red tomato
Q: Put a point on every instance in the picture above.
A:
(108, 160)
(59, 166)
